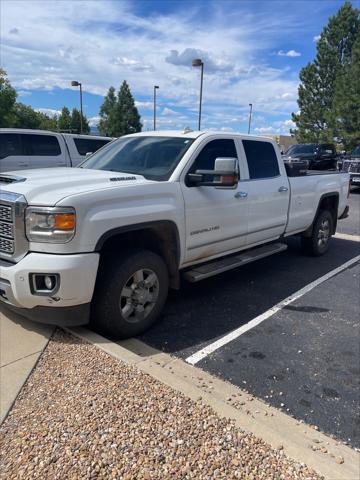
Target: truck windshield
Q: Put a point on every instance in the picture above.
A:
(356, 152)
(296, 149)
(153, 157)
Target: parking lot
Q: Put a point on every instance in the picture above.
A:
(303, 358)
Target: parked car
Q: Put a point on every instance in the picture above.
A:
(319, 156)
(104, 241)
(351, 164)
(20, 148)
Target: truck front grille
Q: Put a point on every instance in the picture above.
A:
(6, 230)
(7, 246)
(13, 243)
(349, 166)
(5, 213)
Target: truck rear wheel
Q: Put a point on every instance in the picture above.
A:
(130, 293)
(318, 243)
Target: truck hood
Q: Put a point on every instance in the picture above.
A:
(47, 186)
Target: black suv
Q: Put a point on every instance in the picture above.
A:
(320, 156)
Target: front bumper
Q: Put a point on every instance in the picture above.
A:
(70, 305)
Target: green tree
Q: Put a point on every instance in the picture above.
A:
(26, 117)
(75, 123)
(108, 114)
(128, 118)
(316, 120)
(119, 115)
(346, 103)
(64, 121)
(7, 101)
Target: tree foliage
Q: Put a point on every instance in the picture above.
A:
(118, 113)
(75, 122)
(7, 100)
(346, 102)
(320, 79)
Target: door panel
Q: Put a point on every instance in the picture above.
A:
(268, 192)
(268, 208)
(43, 150)
(12, 156)
(216, 218)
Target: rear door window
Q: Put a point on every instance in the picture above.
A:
(261, 158)
(87, 145)
(41, 145)
(10, 145)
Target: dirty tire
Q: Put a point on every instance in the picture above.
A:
(318, 243)
(130, 293)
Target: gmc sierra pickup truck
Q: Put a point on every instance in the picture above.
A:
(104, 242)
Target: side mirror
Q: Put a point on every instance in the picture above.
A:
(225, 174)
(88, 153)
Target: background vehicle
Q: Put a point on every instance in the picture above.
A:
(107, 239)
(320, 156)
(21, 149)
(351, 164)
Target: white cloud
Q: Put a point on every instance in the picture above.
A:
(139, 104)
(102, 43)
(93, 121)
(24, 93)
(263, 129)
(50, 112)
(289, 53)
(316, 38)
(169, 111)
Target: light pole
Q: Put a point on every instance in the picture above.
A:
(74, 83)
(197, 62)
(155, 88)
(250, 105)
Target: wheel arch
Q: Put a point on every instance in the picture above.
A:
(161, 237)
(328, 201)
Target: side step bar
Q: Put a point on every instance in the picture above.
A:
(200, 272)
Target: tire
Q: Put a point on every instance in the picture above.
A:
(127, 302)
(318, 243)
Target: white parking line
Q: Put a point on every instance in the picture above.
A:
(346, 236)
(204, 352)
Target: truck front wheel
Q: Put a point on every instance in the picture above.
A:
(130, 293)
(318, 243)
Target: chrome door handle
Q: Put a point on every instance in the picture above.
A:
(283, 189)
(240, 195)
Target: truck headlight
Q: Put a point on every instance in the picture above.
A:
(50, 224)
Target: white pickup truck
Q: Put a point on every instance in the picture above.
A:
(25, 148)
(105, 241)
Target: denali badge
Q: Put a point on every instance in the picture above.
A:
(203, 230)
(118, 179)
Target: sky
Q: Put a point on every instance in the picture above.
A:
(252, 52)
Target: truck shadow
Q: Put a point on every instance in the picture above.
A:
(200, 313)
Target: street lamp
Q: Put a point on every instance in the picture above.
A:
(250, 105)
(74, 83)
(197, 62)
(155, 88)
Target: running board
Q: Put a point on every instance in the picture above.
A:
(200, 272)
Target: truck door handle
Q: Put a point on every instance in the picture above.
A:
(283, 189)
(240, 195)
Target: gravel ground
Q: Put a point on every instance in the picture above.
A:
(84, 415)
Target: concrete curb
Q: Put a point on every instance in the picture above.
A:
(298, 440)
